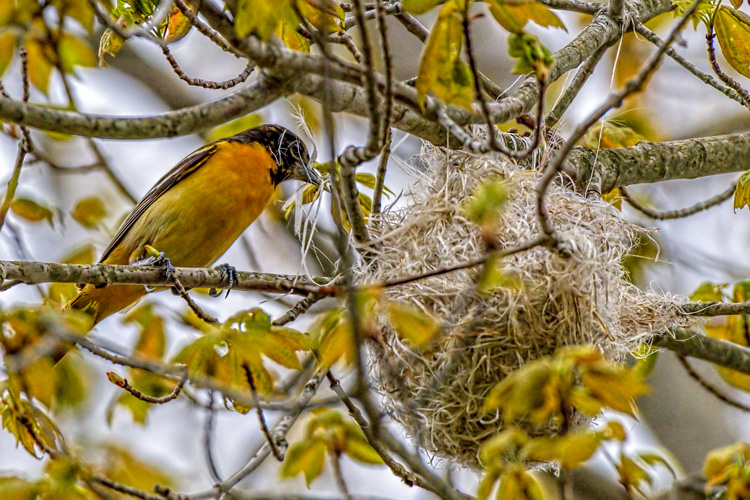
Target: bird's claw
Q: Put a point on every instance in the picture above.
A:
(229, 275)
(161, 261)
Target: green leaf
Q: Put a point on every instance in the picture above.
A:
(616, 386)
(74, 52)
(335, 338)
(7, 49)
(653, 459)
(519, 484)
(533, 57)
(420, 6)
(303, 457)
(632, 474)
(31, 210)
(441, 69)
(570, 450)
(742, 191)
(485, 207)
(110, 44)
(40, 68)
(80, 10)
(513, 16)
(733, 32)
(708, 292)
(89, 212)
(647, 357)
(288, 34)
(361, 451)
(325, 15)
(263, 17)
(413, 324)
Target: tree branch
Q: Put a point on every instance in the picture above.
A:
(103, 274)
(649, 162)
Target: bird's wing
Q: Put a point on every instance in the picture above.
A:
(185, 167)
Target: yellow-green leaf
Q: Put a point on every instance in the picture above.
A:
(31, 210)
(7, 49)
(733, 32)
(263, 17)
(80, 10)
(110, 44)
(570, 450)
(325, 15)
(40, 68)
(413, 324)
(89, 212)
(533, 57)
(513, 16)
(419, 6)
(292, 39)
(361, 451)
(441, 69)
(304, 457)
(709, 292)
(74, 52)
(631, 474)
(335, 338)
(614, 385)
(519, 484)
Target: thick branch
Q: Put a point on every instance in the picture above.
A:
(649, 162)
(700, 346)
(173, 123)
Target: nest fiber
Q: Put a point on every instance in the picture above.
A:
(437, 394)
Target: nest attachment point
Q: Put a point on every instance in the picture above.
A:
(437, 394)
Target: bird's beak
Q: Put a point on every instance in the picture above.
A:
(307, 173)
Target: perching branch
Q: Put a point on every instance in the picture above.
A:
(103, 274)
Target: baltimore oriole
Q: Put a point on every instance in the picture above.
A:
(200, 207)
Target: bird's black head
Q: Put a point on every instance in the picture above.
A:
(288, 150)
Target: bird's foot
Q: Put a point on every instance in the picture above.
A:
(160, 260)
(229, 275)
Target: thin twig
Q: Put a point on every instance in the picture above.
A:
(278, 454)
(182, 292)
(123, 384)
(297, 310)
(208, 432)
(680, 213)
(728, 80)
(125, 489)
(278, 433)
(704, 77)
(206, 84)
(336, 465)
(409, 478)
(583, 74)
(24, 145)
(206, 30)
(714, 391)
(377, 193)
(613, 100)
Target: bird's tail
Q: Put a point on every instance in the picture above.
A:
(105, 301)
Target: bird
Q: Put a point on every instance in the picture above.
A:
(199, 208)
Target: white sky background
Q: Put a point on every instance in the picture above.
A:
(711, 245)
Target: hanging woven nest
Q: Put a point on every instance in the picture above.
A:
(437, 394)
